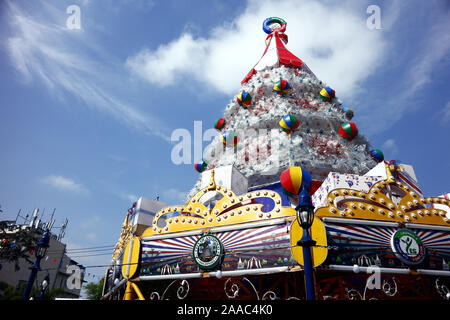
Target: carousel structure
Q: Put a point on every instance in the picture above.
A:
(303, 210)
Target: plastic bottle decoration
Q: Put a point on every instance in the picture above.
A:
(348, 112)
(229, 138)
(200, 166)
(289, 123)
(220, 123)
(282, 87)
(244, 99)
(293, 179)
(348, 130)
(377, 155)
(327, 94)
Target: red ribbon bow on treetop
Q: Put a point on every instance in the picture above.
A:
(279, 33)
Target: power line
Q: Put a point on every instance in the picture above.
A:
(81, 251)
(91, 248)
(97, 266)
(93, 255)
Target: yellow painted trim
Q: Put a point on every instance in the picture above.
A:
(229, 210)
(376, 205)
(125, 236)
(233, 209)
(137, 291)
(131, 256)
(318, 234)
(129, 292)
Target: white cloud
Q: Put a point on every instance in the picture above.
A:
(435, 47)
(331, 38)
(390, 147)
(90, 223)
(173, 196)
(63, 183)
(342, 52)
(169, 61)
(445, 112)
(52, 53)
(128, 196)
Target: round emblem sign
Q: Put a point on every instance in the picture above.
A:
(207, 252)
(407, 246)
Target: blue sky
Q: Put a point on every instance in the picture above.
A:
(87, 114)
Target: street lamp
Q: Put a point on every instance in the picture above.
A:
(44, 286)
(305, 218)
(42, 245)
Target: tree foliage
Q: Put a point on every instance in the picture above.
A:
(94, 290)
(16, 243)
(8, 292)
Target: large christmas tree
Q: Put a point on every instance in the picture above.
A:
(284, 116)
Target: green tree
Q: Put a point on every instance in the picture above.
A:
(94, 290)
(8, 292)
(16, 243)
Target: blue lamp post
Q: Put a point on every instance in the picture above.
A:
(305, 218)
(42, 245)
